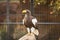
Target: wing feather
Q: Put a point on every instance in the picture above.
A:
(34, 21)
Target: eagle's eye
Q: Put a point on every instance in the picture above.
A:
(24, 11)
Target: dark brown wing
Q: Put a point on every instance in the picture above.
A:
(28, 21)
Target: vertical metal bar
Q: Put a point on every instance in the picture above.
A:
(32, 6)
(7, 20)
(21, 4)
(7, 17)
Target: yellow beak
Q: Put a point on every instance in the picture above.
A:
(24, 11)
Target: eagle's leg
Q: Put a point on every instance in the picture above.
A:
(28, 30)
(32, 29)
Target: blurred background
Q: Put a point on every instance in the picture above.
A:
(47, 13)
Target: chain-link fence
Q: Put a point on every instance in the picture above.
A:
(11, 27)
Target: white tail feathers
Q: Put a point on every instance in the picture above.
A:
(35, 31)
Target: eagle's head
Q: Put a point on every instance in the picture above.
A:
(26, 11)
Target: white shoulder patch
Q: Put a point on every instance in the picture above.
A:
(34, 21)
(23, 21)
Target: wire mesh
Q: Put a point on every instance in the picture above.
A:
(48, 28)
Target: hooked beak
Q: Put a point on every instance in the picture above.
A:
(24, 11)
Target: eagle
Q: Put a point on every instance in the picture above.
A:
(30, 22)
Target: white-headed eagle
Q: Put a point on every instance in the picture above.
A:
(30, 22)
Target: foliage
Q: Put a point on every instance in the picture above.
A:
(3, 32)
(54, 5)
(39, 2)
(3, 35)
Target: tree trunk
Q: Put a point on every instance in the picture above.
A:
(28, 37)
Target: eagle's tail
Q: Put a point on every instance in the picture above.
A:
(36, 32)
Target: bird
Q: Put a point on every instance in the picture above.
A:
(30, 22)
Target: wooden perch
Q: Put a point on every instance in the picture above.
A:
(28, 37)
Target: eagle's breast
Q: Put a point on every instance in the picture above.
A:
(28, 21)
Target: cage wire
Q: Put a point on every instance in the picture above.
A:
(32, 11)
(8, 20)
